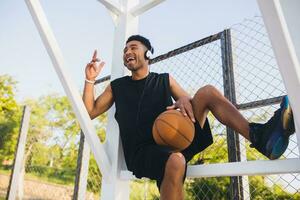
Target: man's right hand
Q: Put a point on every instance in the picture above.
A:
(93, 68)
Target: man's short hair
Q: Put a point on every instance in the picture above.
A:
(141, 39)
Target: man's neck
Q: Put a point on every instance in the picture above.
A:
(140, 74)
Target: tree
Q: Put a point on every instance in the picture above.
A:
(54, 129)
(10, 116)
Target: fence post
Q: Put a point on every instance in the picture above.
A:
(229, 92)
(15, 178)
(82, 170)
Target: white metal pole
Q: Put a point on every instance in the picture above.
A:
(281, 19)
(127, 25)
(144, 6)
(82, 169)
(245, 179)
(250, 168)
(69, 86)
(19, 156)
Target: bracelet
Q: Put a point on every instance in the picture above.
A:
(88, 81)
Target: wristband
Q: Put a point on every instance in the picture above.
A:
(88, 81)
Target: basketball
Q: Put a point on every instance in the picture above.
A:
(171, 128)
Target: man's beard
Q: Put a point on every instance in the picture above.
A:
(133, 68)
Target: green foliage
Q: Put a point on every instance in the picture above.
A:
(7, 94)
(53, 132)
(208, 188)
(95, 177)
(259, 190)
(64, 176)
(10, 117)
(143, 189)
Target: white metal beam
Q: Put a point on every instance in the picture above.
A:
(284, 31)
(118, 189)
(114, 18)
(83, 169)
(69, 86)
(112, 6)
(144, 6)
(250, 168)
(19, 158)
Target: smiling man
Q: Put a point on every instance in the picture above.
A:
(141, 97)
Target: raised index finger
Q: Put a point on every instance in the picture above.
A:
(95, 55)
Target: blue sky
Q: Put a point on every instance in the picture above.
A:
(82, 26)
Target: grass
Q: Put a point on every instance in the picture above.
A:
(6, 172)
(36, 177)
(48, 179)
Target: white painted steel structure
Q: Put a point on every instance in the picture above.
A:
(279, 17)
(16, 182)
(84, 170)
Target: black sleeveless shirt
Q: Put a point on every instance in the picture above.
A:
(138, 103)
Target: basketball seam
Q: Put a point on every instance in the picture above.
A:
(161, 136)
(178, 114)
(175, 129)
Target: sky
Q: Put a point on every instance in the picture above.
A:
(82, 26)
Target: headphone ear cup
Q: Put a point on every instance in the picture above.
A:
(148, 55)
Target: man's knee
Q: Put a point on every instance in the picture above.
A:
(207, 90)
(175, 167)
(204, 96)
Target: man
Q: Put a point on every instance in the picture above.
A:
(141, 97)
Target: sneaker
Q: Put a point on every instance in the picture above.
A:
(272, 138)
(287, 117)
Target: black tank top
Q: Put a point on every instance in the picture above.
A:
(138, 103)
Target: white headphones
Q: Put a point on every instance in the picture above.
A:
(149, 54)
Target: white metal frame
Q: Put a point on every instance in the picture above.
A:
(17, 177)
(109, 156)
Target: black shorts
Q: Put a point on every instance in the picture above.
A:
(150, 160)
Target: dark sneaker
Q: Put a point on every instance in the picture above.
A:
(272, 138)
(287, 117)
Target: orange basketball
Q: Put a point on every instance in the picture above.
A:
(173, 129)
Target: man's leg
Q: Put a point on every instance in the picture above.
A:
(208, 98)
(271, 138)
(172, 183)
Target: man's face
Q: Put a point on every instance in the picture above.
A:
(133, 56)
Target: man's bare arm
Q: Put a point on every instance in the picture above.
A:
(182, 98)
(101, 104)
(176, 90)
(105, 100)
